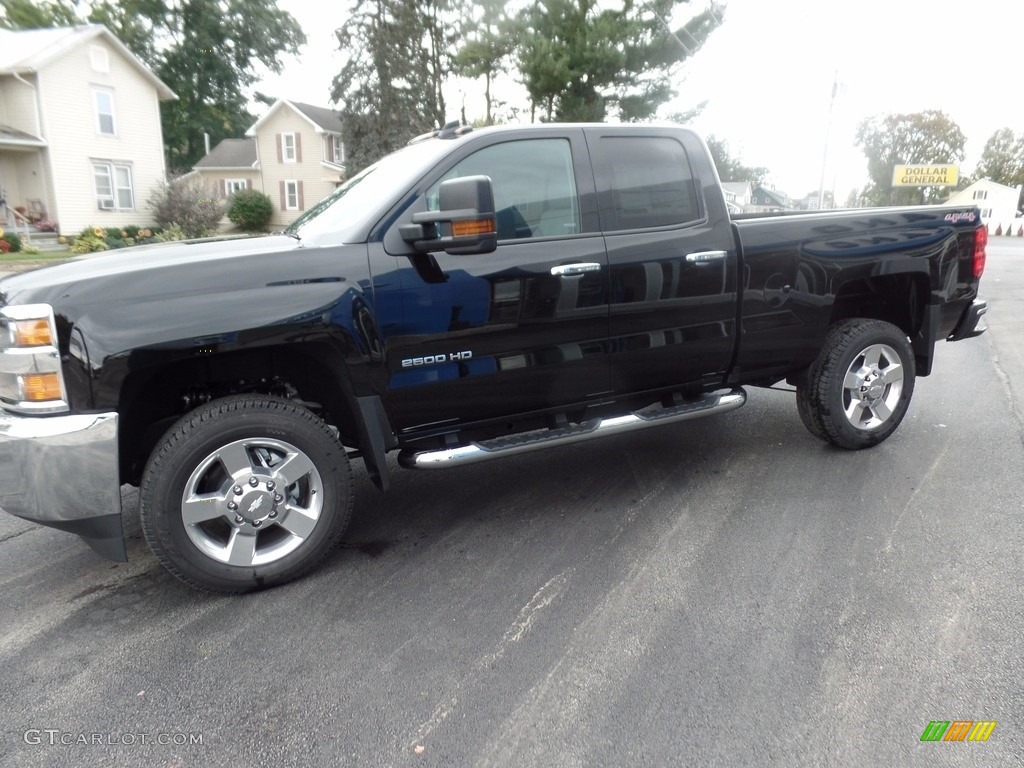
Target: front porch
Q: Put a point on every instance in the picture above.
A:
(25, 191)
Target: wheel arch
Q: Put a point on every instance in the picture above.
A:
(153, 397)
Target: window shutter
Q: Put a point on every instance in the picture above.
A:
(223, 187)
(280, 147)
(248, 183)
(284, 197)
(298, 149)
(301, 206)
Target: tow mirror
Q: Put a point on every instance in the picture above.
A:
(465, 224)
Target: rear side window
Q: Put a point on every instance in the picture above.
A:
(534, 187)
(649, 183)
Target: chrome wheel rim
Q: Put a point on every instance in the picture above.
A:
(252, 502)
(872, 387)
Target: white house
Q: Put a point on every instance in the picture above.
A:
(998, 204)
(80, 136)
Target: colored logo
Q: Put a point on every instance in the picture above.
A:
(958, 730)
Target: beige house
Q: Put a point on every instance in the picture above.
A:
(229, 167)
(80, 136)
(300, 154)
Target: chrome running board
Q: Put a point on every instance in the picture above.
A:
(484, 450)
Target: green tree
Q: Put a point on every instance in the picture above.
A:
(1002, 160)
(580, 61)
(891, 140)
(390, 85)
(731, 168)
(206, 51)
(31, 14)
(490, 38)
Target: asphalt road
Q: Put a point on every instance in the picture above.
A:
(722, 592)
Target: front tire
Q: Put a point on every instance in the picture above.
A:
(245, 493)
(858, 390)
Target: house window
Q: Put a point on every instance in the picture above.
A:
(986, 213)
(98, 59)
(335, 150)
(234, 185)
(103, 101)
(288, 153)
(291, 195)
(113, 186)
(980, 194)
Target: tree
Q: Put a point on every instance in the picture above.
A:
(490, 38)
(579, 60)
(891, 140)
(1002, 160)
(31, 14)
(206, 51)
(390, 85)
(730, 168)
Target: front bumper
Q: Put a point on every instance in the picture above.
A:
(61, 471)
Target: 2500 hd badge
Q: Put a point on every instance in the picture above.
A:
(454, 357)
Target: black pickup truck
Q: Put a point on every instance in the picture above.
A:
(474, 295)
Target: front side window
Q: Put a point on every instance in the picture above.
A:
(103, 101)
(650, 183)
(291, 195)
(113, 182)
(534, 187)
(234, 185)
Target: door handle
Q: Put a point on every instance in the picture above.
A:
(703, 257)
(575, 270)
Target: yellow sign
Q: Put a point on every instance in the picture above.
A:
(932, 175)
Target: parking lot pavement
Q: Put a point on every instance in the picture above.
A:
(724, 592)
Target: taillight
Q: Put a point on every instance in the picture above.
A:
(980, 241)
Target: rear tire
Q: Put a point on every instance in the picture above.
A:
(245, 493)
(858, 390)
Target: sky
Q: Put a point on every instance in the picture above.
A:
(767, 76)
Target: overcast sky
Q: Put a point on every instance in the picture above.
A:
(767, 76)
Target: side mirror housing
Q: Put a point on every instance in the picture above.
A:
(466, 223)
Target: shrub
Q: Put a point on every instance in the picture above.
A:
(171, 233)
(46, 226)
(250, 210)
(13, 240)
(30, 249)
(5, 247)
(189, 204)
(89, 243)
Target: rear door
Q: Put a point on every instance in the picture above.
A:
(672, 259)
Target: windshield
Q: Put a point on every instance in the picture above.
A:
(340, 217)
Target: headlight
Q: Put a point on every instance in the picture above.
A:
(30, 374)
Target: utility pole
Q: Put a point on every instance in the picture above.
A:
(828, 130)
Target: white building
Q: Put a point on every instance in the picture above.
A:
(998, 204)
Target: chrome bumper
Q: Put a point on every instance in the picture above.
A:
(61, 471)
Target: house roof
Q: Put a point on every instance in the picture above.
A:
(28, 50)
(736, 187)
(324, 120)
(781, 198)
(231, 153)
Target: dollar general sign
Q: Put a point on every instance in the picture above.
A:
(934, 175)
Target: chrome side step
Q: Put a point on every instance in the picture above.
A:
(707, 405)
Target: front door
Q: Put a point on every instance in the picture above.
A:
(518, 330)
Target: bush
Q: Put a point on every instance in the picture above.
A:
(5, 247)
(12, 240)
(250, 210)
(46, 226)
(189, 204)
